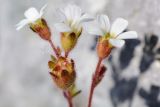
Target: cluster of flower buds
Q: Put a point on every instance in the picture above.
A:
(62, 72)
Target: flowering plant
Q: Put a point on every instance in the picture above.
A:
(62, 67)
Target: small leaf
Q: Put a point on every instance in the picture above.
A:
(73, 91)
(51, 64)
(53, 58)
(76, 93)
(53, 75)
(32, 29)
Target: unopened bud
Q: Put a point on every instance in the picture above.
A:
(40, 26)
(98, 78)
(63, 72)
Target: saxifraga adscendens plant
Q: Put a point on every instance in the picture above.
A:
(62, 68)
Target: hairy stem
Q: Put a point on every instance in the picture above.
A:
(93, 85)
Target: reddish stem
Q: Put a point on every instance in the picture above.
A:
(93, 82)
(53, 47)
(69, 98)
(70, 101)
(66, 54)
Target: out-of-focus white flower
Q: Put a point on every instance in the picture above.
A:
(31, 15)
(72, 18)
(114, 34)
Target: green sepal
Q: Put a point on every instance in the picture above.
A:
(53, 59)
(73, 91)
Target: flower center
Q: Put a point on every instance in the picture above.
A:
(110, 36)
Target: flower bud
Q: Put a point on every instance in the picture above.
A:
(40, 26)
(98, 78)
(103, 47)
(62, 72)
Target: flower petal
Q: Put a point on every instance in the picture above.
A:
(72, 12)
(67, 13)
(21, 24)
(119, 25)
(94, 29)
(117, 42)
(61, 27)
(77, 12)
(61, 15)
(42, 10)
(32, 14)
(128, 35)
(86, 18)
(103, 20)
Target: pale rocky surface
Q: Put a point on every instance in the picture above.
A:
(24, 77)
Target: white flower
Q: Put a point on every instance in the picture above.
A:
(31, 15)
(72, 18)
(113, 33)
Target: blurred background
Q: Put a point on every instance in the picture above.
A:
(133, 75)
